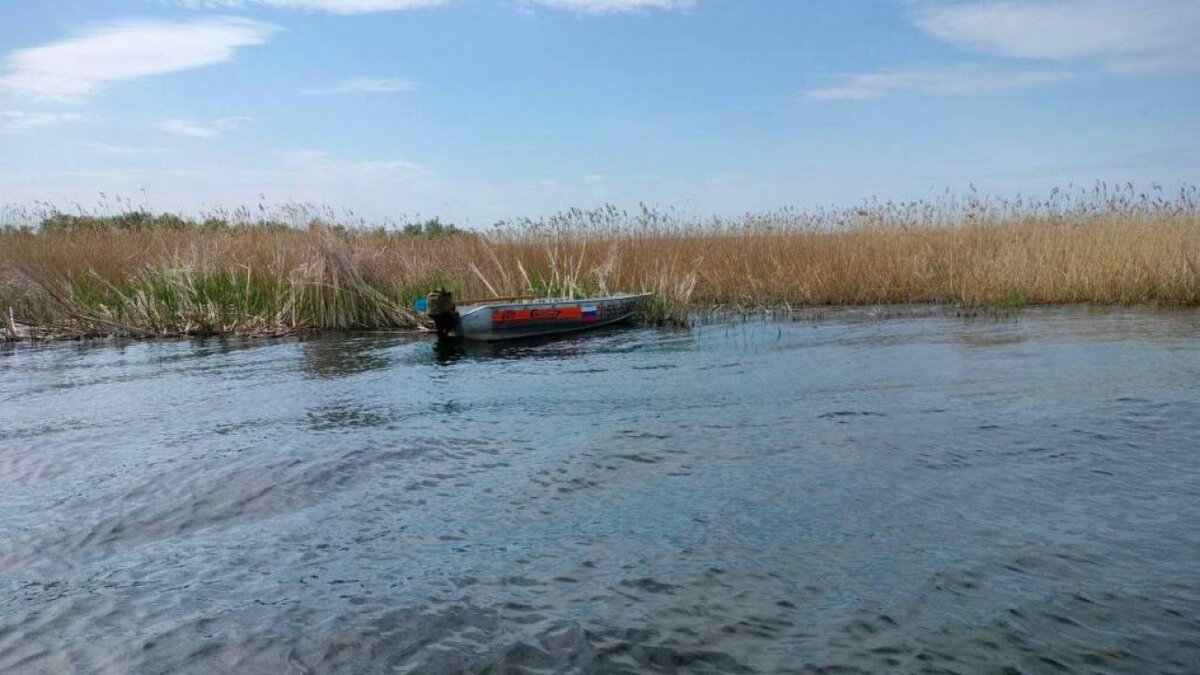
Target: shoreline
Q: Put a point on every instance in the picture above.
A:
(698, 319)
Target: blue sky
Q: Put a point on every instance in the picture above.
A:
(476, 110)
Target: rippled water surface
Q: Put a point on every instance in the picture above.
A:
(901, 495)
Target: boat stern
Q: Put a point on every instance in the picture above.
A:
(439, 305)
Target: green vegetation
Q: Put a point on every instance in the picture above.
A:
(430, 228)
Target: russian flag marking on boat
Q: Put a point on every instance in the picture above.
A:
(589, 312)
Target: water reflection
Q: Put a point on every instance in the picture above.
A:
(338, 356)
(446, 352)
(564, 346)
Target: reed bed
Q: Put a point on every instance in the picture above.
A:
(140, 275)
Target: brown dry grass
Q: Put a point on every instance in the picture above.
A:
(272, 280)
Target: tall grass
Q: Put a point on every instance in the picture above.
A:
(142, 275)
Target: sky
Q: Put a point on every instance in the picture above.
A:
(480, 110)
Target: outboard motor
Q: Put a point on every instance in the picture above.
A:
(440, 307)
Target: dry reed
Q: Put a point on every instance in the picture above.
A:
(1100, 246)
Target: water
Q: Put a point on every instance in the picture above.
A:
(851, 495)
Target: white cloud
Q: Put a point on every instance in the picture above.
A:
(194, 129)
(1123, 35)
(16, 121)
(959, 80)
(80, 66)
(1120, 35)
(331, 6)
(615, 6)
(373, 85)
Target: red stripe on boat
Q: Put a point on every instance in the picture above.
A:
(503, 316)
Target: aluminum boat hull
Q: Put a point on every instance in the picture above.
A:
(512, 321)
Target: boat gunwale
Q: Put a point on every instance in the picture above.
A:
(471, 309)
